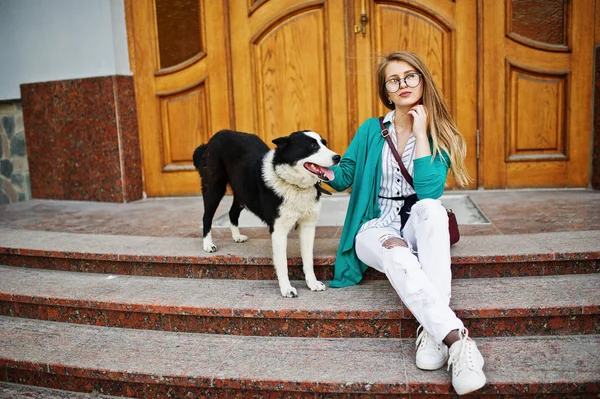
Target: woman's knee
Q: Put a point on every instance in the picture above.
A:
(430, 210)
(389, 242)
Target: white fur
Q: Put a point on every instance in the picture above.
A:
(299, 198)
(300, 206)
(208, 244)
(322, 157)
(235, 234)
(307, 239)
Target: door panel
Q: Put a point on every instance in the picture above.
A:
(183, 112)
(444, 35)
(181, 80)
(536, 125)
(537, 114)
(288, 62)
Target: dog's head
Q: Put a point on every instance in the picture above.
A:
(302, 158)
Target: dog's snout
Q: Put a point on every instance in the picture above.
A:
(336, 159)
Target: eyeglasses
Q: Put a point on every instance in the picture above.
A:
(411, 80)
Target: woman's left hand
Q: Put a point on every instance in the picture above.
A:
(419, 114)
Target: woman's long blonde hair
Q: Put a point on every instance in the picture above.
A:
(442, 128)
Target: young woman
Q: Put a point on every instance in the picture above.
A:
(410, 245)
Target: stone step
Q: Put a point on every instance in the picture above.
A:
(17, 391)
(548, 305)
(159, 364)
(573, 252)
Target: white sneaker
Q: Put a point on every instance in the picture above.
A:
(430, 355)
(467, 365)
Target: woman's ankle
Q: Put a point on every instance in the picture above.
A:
(452, 337)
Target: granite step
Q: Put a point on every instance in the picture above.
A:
(17, 391)
(548, 305)
(159, 364)
(556, 253)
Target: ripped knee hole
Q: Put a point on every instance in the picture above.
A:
(394, 242)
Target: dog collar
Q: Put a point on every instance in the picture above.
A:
(321, 189)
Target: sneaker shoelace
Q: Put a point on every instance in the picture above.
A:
(458, 365)
(421, 337)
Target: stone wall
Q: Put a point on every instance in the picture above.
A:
(82, 139)
(14, 170)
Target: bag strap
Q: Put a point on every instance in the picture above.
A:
(386, 134)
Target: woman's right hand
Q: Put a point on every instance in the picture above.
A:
(420, 121)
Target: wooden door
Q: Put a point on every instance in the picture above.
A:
(271, 67)
(178, 50)
(302, 65)
(289, 68)
(537, 65)
(442, 32)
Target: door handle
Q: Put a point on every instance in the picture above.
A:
(363, 18)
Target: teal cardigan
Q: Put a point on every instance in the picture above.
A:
(360, 167)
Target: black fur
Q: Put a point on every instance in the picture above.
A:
(294, 147)
(259, 178)
(241, 168)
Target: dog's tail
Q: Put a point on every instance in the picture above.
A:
(199, 161)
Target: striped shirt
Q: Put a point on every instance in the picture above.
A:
(393, 183)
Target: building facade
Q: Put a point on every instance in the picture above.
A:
(160, 77)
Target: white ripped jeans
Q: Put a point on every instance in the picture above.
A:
(422, 281)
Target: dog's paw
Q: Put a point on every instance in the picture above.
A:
(210, 247)
(316, 285)
(240, 238)
(289, 292)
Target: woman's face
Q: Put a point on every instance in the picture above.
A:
(399, 77)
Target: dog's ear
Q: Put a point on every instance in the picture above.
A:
(281, 141)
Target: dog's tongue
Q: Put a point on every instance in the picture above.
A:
(327, 173)
(323, 173)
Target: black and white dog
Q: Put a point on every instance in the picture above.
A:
(280, 186)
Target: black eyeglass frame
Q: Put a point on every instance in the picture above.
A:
(400, 82)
